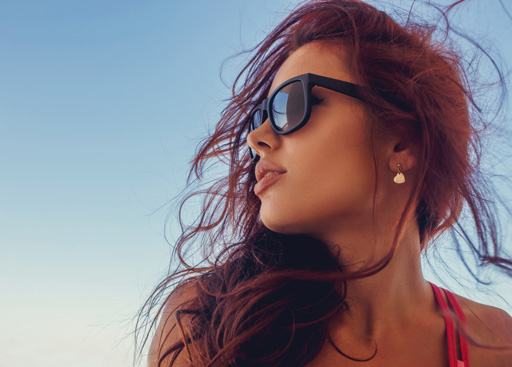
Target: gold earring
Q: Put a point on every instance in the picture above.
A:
(399, 178)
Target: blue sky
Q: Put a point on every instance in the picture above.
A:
(102, 104)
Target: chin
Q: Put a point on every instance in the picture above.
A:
(283, 227)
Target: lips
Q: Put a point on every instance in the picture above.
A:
(267, 173)
(265, 167)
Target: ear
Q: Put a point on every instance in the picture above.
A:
(403, 154)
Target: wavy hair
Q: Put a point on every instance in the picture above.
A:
(266, 298)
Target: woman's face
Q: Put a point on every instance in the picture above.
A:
(329, 181)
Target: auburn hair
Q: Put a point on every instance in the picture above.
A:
(266, 298)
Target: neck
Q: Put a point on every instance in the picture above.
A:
(393, 296)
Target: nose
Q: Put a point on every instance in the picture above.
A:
(263, 139)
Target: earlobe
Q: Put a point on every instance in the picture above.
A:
(402, 159)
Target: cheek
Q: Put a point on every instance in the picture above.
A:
(324, 184)
(338, 168)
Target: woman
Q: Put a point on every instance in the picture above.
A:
(361, 137)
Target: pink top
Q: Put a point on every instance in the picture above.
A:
(450, 327)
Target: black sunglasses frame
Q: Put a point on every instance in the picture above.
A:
(308, 81)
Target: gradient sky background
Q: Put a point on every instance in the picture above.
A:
(102, 104)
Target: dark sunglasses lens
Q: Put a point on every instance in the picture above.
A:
(288, 106)
(254, 123)
(255, 120)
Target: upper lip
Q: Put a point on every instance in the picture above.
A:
(263, 167)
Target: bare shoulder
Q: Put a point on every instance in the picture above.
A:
(489, 326)
(494, 324)
(168, 331)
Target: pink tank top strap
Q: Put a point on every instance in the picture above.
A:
(450, 327)
(464, 350)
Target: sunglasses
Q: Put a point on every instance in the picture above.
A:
(289, 107)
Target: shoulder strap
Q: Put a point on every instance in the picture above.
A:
(462, 325)
(450, 328)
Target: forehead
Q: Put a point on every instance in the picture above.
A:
(322, 58)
